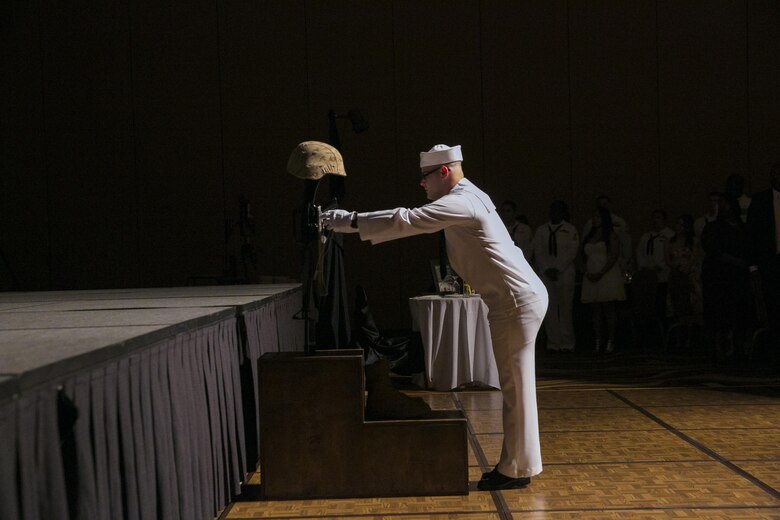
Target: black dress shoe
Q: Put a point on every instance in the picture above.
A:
(490, 473)
(494, 481)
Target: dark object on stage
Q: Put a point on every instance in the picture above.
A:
(315, 443)
(403, 353)
(333, 328)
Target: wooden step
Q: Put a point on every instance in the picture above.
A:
(315, 442)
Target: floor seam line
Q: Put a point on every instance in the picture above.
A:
(701, 447)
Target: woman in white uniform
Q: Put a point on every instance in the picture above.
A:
(483, 254)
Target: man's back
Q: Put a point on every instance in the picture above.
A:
(484, 255)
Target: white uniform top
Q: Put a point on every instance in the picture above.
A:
(478, 244)
(656, 260)
(567, 243)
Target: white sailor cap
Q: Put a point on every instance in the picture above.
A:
(440, 154)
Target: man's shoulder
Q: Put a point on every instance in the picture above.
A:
(465, 186)
(459, 201)
(457, 193)
(469, 191)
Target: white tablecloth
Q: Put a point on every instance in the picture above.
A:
(456, 338)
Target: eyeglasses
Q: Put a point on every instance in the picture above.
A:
(424, 175)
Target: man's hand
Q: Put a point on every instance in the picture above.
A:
(339, 220)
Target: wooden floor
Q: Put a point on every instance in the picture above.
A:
(675, 452)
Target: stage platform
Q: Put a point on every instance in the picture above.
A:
(134, 403)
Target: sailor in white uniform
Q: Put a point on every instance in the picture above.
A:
(651, 256)
(483, 254)
(651, 249)
(555, 248)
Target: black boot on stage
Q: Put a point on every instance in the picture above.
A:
(385, 402)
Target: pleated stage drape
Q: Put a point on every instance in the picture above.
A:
(158, 434)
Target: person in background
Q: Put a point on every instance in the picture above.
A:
(651, 255)
(620, 227)
(763, 223)
(710, 214)
(518, 227)
(683, 258)
(555, 245)
(728, 304)
(735, 188)
(602, 285)
(483, 254)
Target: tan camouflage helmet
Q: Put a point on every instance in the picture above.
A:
(313, 160)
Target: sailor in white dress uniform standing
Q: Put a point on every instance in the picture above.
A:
(555, 248)
(483, 254)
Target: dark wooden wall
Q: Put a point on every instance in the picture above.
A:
(130, 128)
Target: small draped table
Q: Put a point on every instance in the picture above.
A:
(456, 339)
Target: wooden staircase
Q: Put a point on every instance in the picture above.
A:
(315, 442)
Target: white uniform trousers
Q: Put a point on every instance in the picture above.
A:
(558, 324)
(514, 335)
